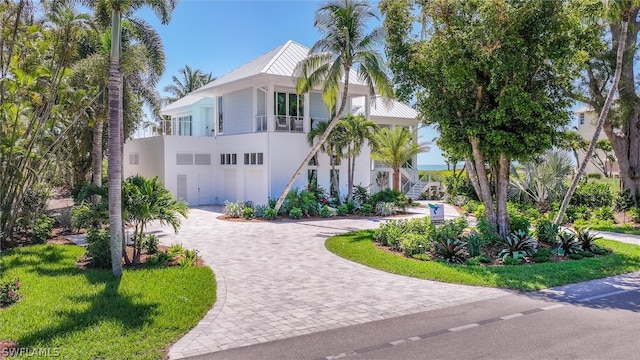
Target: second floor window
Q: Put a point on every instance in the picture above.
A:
(581, 118)
(220, 116)
(287, 104)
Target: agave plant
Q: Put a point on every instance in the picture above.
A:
(586, 238)
(568, 243)
(518, 245)
(454, 251)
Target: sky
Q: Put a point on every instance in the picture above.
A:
(218, 36)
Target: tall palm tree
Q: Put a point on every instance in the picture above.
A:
(358, 130)
(117, 9)
(188, 81)
(344, 47)
(394, 147)
(333, 147)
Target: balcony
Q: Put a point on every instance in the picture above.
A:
(289, 123)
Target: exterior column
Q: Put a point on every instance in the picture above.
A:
(254, 109)
(367, 106)
(306, 121)
(271, 126)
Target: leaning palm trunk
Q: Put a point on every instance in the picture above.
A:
(318, 145)
(603, 115)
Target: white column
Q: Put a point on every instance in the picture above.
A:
(367, 106)
(271, 126)
(306, 121)
(254, 111)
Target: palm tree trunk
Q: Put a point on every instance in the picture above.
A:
(96, 154)
(114, 167)
(501, 196)
(321, 141)
(601, 119)
(396, 179)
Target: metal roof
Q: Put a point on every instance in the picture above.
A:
(279, 61)
(385, 109)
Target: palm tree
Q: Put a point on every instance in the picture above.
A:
(358, 130)
(117, 9)
(544, 181)
(344, 46)
(189, 80)
(333, 147)
(394, 147)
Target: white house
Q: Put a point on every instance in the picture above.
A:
(243, 135)
(587, 120)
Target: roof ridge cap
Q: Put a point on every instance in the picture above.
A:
(276, 56)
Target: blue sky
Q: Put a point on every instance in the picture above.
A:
(218, 36)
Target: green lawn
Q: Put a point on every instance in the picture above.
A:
(358, 246)
(87, 314)
(621, 229)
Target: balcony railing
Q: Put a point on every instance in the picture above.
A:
(289, 123)
(261, 123)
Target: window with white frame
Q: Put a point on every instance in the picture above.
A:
(581, 116)
(253, 158)
(228, 159)
(220, 115)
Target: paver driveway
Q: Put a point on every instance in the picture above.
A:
(277, 280)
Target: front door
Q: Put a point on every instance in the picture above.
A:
(204, 189)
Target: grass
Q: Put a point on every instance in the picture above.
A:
(358, 246)
(88, 314)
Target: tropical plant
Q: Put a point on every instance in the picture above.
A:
(453, 251)
(413, 244)
(624, 202)
(542, 182)
(115, 10)
(394, 147)
(474, 244)
(150, 243)
(603, 157)
(572, 140)
(233, 209)
(333, 147)
(10, 292)
(187, 81)
(189, 258)
(568, 243)
(587, 239)
(546, 231)
(592, 195)
(518, 245)
(295, 213)
(451, 229)
(344, 46)
(270, 213)
(41, 230)
(357, 130)
(98, 248)
(385, 208)
(247, 213)
(342, 210)
(147, 200)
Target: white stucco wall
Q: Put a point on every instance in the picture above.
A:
(150, 154)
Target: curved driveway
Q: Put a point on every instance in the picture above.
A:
(277, 280)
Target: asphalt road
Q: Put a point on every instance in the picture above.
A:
(595, 320)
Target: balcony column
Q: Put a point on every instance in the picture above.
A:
(367, 106)
(271, 126)
(306, 119)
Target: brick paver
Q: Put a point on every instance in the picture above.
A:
(277, 280)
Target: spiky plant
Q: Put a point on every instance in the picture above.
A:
(586, 237)
(568, 243)
(518, 245)
(453, 251)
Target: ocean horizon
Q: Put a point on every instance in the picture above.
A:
(432, 167)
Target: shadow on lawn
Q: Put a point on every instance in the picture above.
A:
(109, 305)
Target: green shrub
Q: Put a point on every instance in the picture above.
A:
(385, 208)
(592, 195)
(64, 219)
(587, 239)
(10, 292)
(604, 214)
(361, 194)
(366, 209)
(518, 245)
(474, 244)
(150, 243)
(594, 176)
(510, 260)
(519, 223)
(189, 258)
(259, 211)
(233, 209)
(583, 212)
(575, 256)
(388, 234)
(247, 213)
(456, 186)
(342, 210)
(451, 229)
(546, 231)
(471, 206)
(33, 205)
(352, 206)
(41, 230)
(479, 259)
(413, 244)
(270, 213)
(175, 250)
(453, 251)
(159, 259)
(295, 213)
(624, 201)
(390, 196)
(635, 215)
(542, 255)
(568, 243)
(98, 247)
(586, 254)
(325, 211)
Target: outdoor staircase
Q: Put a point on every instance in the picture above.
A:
(417, 189)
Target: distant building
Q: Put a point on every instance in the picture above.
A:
(243, 135)
(587, 119)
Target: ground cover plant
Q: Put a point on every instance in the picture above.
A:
(137, 316)
(359, 247)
